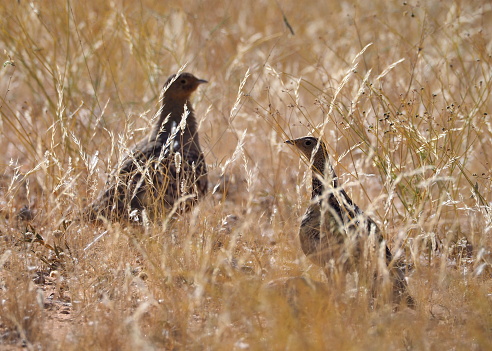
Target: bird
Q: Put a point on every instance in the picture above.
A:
(334, 231)
(166, 170)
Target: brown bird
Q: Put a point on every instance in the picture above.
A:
(334, 230)
(165, 169)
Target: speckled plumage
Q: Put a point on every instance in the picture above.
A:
(334, 230)
(166, 168)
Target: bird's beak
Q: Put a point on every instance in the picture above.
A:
(290, 142)
(201, 81)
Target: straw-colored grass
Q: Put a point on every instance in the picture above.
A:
(400, 91)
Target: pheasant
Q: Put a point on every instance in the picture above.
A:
(334, 230)
(166, 170)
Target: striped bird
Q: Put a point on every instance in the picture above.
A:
(335, 233)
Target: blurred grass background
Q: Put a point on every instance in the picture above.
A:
(400, 92)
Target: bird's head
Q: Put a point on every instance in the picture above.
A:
(182, 86)
(307, 145)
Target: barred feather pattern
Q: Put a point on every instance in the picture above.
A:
(150, 178)
(334, 230)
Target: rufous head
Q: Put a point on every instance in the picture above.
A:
(182, 86)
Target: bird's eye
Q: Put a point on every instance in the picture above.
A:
(183, 81)
(308, 142)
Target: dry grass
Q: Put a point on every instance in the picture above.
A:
(400, 91)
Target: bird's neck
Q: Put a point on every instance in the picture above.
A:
(319, 177)
(172, 115)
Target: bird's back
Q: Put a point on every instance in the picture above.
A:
(334, 228)
(155, 175)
